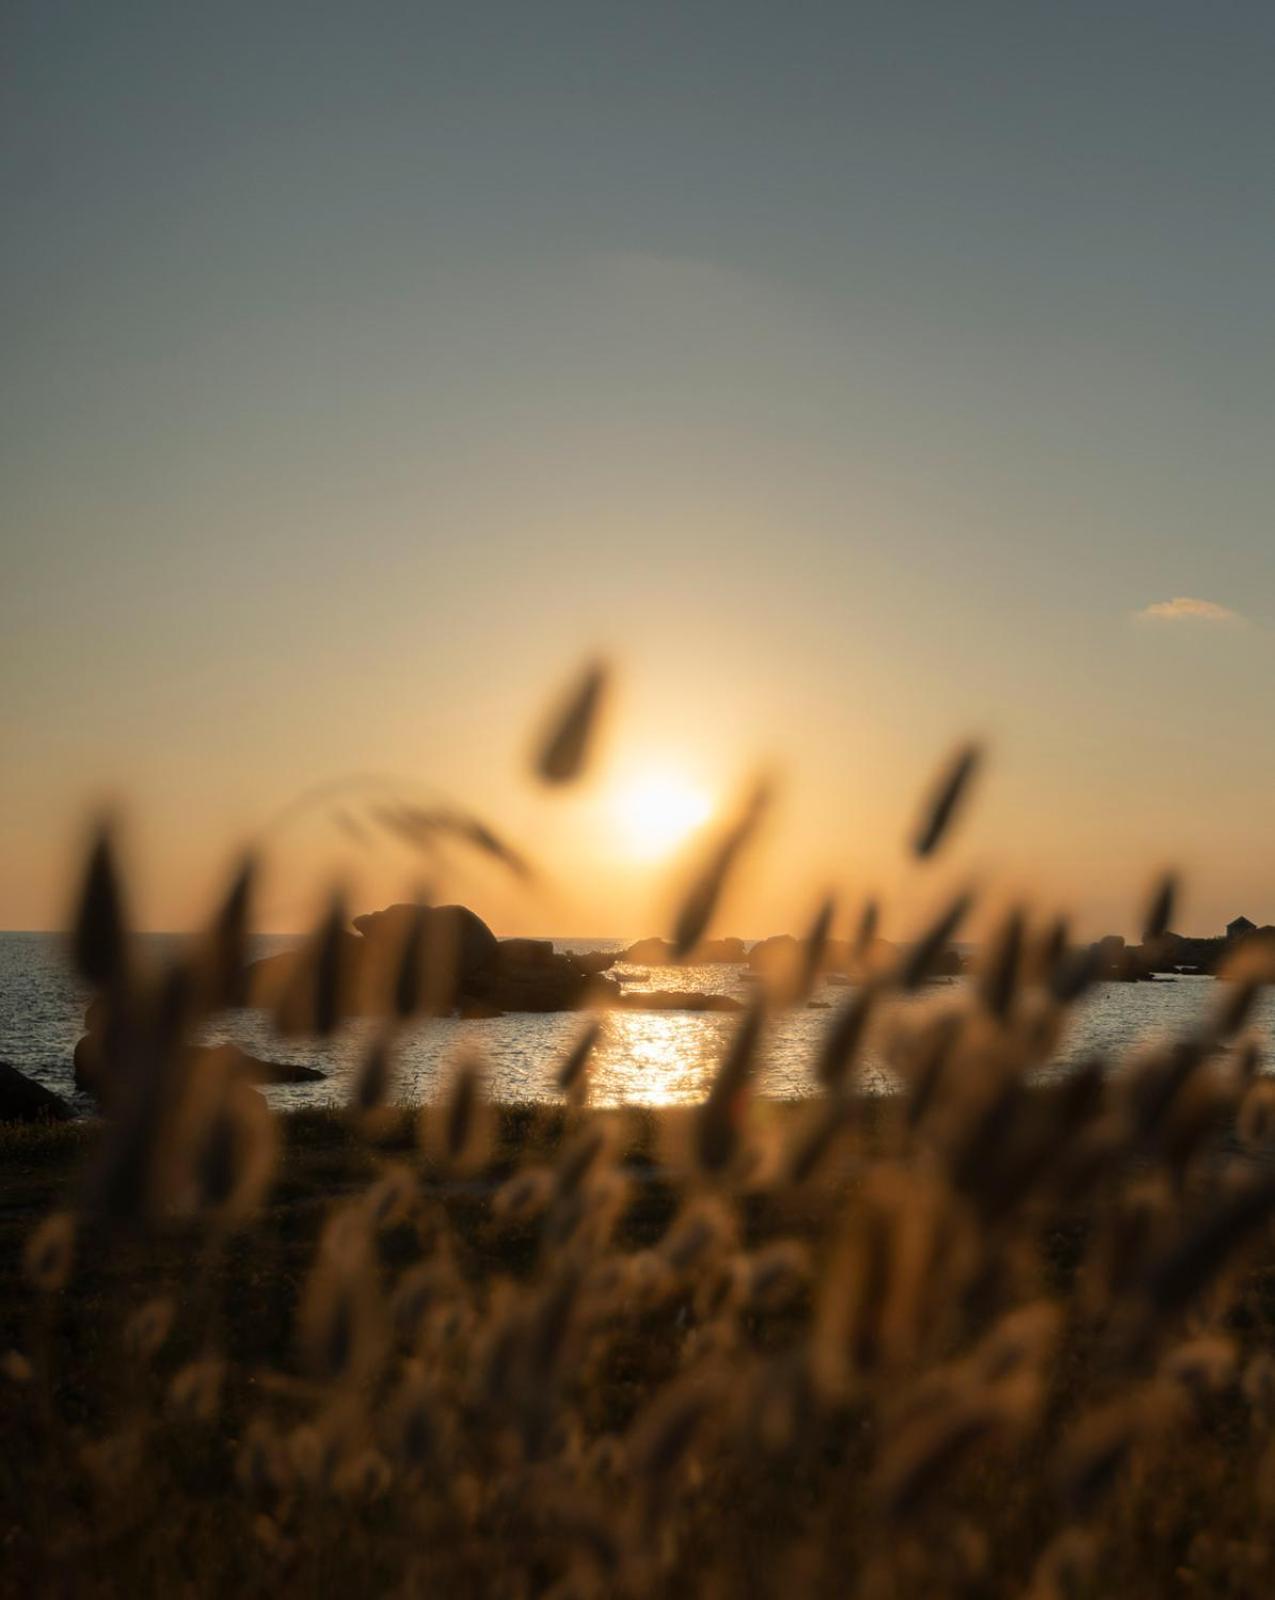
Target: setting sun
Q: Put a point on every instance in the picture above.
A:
(658, 810)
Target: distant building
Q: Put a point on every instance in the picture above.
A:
(1241, 925)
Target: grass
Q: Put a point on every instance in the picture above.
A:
(978, 1340)
(809, 1503)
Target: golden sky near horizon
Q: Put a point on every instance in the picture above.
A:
(855, 385)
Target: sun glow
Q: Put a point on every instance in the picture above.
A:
(657, 810)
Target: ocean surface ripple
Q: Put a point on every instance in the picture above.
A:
(643, 1058)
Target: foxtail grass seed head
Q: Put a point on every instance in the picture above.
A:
(572, 1074)
(16, 1367)
(567, 742)
(374, 1078)
(866, 932)
(944, 802)
(194, 1393)
(227, 941)
(998, 980)
(148, 1329)
(701, 899)
(1075, 972)
(843, 1038)
(99, 929)
(329, 968)
(814, 947)
(718, 1124)
(1159, 913)
(409, 978)
(49, 1254)
(922, 960)
(456, 1131)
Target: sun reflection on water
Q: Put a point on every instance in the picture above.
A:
(657, 1059)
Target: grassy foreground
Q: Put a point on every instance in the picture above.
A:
(190, 1412)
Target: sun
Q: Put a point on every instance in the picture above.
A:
(657, 810)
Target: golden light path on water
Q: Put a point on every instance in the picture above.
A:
(643, 1058)
(654, 1059)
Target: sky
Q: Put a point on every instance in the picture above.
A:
(856, 378)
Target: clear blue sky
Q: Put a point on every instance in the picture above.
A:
(857, 373)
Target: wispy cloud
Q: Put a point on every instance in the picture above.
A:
(1185, 608)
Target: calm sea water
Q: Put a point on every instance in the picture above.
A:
(643, 1057)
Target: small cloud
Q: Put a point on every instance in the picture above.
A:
(1186, 609)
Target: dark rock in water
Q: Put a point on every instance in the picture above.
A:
(91, 1056)
(255, 1068)
(530, 975)
(22, 1099)
(713, 952)
(466, 969)
(649, 953)
(678, 1000)
(87, 1065)
(525, 952)
(457, 941)
(596, 961)
(722, 952)
(776, 954)
(458, 949)
(266, 980)
(781, 958)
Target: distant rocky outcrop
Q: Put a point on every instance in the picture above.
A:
(656, 952)
(782, 957)
(464, 967)
(1176, 953)
(22, 1099)
(677, 1000)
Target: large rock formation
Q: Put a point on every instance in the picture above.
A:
(454, 936)
(530, 975)
(22, 1099)
(463, 966)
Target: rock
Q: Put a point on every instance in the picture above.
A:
(719, 952)
(22, 1099)
(597, 960)
(649, 953)
(267, 979)
(559, 984)
(480, 976)
(86, 1064)
(780, 954)
(459, 951)
(677, 1000)
(713, 952)
(255, 1068)
(525, 952)
(454, 936)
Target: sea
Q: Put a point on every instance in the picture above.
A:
(642, 1058)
